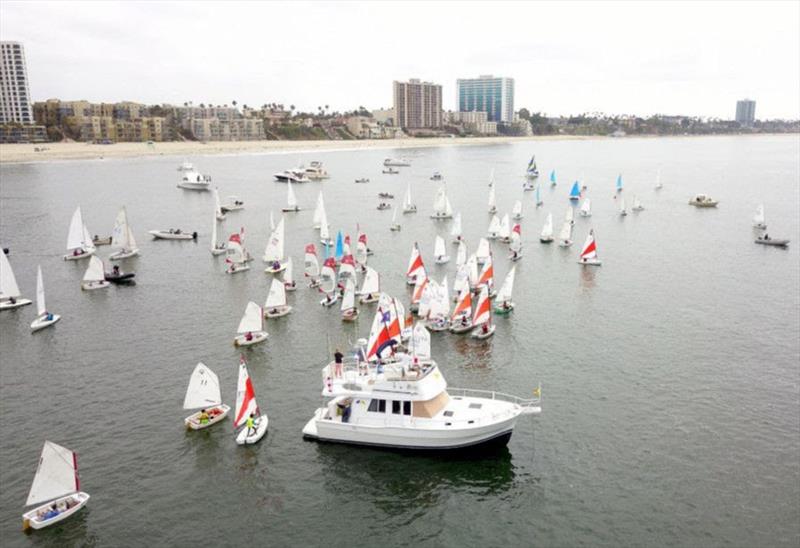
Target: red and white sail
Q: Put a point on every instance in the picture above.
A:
(361, 249)
(415, 266)
(589, 248)
(311, 263)
(347, 268)
(245, 397)
(385, 328)
(483, 311)
(419, 289)
(463, 306)
(327, 275)
(486, 277)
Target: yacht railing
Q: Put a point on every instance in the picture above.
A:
(493, 395)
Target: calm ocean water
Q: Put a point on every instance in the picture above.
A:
(670, 375)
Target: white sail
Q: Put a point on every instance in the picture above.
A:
(122, 236)
(324, 227)
(586, 208)
(327, 276)
(311, 265)
(213, 246)
(318, 211)
(622, 205)
(492, 199)
(758, 218)
(407, 204)
(8, 283)
(472, 270)
(288, 274)
(271, 221)
(274, 249)
(428, 293)
(566, 232)
(547, 230)
(245, 406)
(394, 218)
(448, 209)
(440, 301)
(277, 294)
(636, 203)
(439, 203)
(494, 227)
(483, 250)
(253, 319)
(455, 230)
(508, 286)
(569, 217)
(41, 308)
(291, 199)
(372, 282)
(421, 341)
(349, 298)
(203, 390)
(517, 210)
(76, 239)
(94, 272)
(218, 205)
(516, 242)
(361, 252)
(439, 248)
(88, 244)
(56, 475)
(461, 254)
(505, 227)
(462, 279)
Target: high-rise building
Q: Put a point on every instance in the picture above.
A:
(746, 112)
(15, 100)
(417, 105)
(489, 94)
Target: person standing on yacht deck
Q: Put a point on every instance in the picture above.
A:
(337, 358)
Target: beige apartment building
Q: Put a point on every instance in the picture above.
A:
(417, 105)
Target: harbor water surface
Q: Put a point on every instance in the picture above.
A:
(670, 377)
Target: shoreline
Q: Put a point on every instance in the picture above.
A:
(26, 154)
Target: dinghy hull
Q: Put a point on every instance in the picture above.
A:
(41, 322)
(32, 520)
(192, 422)
(8, 305)
(241, 340)
(261, 424)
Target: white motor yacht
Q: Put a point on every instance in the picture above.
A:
(316, 172)
(193, 180)
(396, 162)
(406, 404)
(293, 175)
(703, 200)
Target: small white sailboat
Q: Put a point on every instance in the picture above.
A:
(440, 252)
(637, 205)
(516, 211)
(218, 213)
(759, 220)
(57, 485)
(565, 236)
(570, 215)
(546, 236)
(415, 266)
(504, 235)
(273, 253)
(95, 276)
(251, 326)
(327, 282)
(395, 226)
(291, 199)
(461, 320)
(588, 255)
(217, 248)
(236, 259)
(494, 228)
(311, 265)
(439, 307)
(122, 238)
(492, 200)
(408, 205)
(455, 230)
(461, 254)
(288, 276)
(318, 212)
(659, 186)
(348, 308)
(503, 302)
(276, 306)
(586, 208)
(9, 290)
(247, 413)
(203, 393)
(622, 209)
(234, 203)
(515, 246)
(482, 320)
(325, 231)
(79, 242)
(370, 287)
(43, 318)
(441, 205)
(483, 251)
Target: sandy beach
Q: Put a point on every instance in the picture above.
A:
(25, 153)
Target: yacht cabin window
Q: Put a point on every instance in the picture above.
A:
(396, 407)
(377, 406)
(406, 408)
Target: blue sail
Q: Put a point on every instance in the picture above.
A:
(339, 246)
(553, 176)
(619, 182)
(575, 193)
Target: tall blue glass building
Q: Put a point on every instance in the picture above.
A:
(490, 94)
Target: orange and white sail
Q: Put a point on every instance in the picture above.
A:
(419, 289)
(464, 305)
(245, 396)
(486, 277)
(416, 267)
(483, 311)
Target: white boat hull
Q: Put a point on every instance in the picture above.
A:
(120, 255)
(41, 322)
(368, 299)
(459, 327)
(8, 305)
(443, 260)
(258, 336)
(261, 424)
(84, 255)
(277, 312)
(409, 210)
(91, 286)
(478, 332)
(331, 302)
(590, 262)
(192, 422)
(290, 286)
(162, 235)
(236, 268)
(350, 315)
(272, 270)
(31, 518)
(218, 251)
(194, 186)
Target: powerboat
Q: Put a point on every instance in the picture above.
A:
(172, 234)
(193, 180)
(406, 404)
(703, 200)
(396, 162)
(316, 172)
(292, 175)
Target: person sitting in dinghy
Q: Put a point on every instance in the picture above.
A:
(251, 424)
(203, 418)
(485, 328)
(248, 336)
(48, 316)
(276, 265)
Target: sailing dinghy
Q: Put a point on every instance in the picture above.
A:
(589, 254)
(95, 276)
(370, 287)
(288, 276)
(291, 199)
(482, 320)
(503, 303)
(218, 213)
(622, 209)
(565, 236)
(441, 205)
(440, 252)
(455, 230)
(395, 226)
(311, 266)
(637, 205)
(237, 255)
(273, 253)
(759, 221)
(408, 205)
(516, 211)
(203, 393)
(546, 236)
(247, 413)
(483, 251)
(492, 200)
(217, 248)
(461, 320)
(43, 318)
(575, 192)
(9, 290)
(251, 326)
(276, 306)
(318, 212)
(415, 266)
(57, 485)
(122, 238)
(504, 235)
(586, 208)
(515, 246)
(327, 282)
(348, 308)
(79, 242)
(659, 186)
(619, 183)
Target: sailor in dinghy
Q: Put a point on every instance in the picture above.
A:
(276, 306)
(251, 327)
(43, 318)
(247, 413)
(203, 393)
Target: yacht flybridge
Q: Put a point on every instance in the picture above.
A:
(406, 404)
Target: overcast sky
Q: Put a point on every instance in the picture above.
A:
(623, 58)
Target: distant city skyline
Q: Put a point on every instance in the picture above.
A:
(619, 58)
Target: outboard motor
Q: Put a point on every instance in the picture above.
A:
(194, 235)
